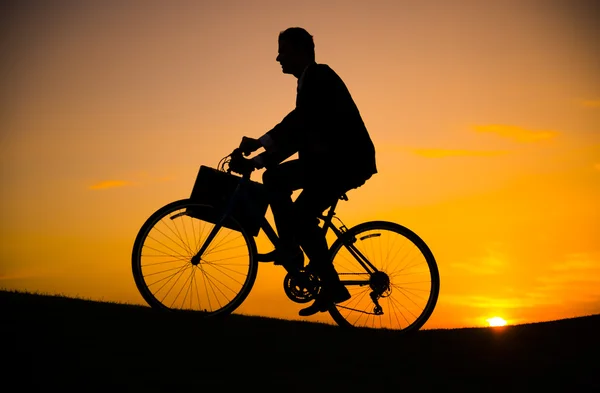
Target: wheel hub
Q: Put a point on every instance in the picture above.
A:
(380, 284)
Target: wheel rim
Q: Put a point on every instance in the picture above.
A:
(170, 277)
(406, 286)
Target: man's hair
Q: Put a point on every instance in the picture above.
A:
(300, 39)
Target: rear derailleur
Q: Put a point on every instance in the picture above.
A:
(375, 297)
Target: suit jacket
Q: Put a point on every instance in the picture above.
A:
(325, 128)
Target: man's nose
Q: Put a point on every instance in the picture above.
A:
(277, 58)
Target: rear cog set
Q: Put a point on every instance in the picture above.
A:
(301, 287)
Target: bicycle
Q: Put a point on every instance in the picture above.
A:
(200, 254)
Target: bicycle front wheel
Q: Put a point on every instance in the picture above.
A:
(167, 275)
(401, 294)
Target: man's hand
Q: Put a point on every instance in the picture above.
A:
(249, 145)
(240, 165)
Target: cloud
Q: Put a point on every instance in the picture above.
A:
(591, 103)
(13, 276)
(574, 279)
(475, 269)
(577, 261)
(516, 133)
(577, 274)
(139, 179)
(26, 273)
(491, 302)
(109, 184)
(493, 263)
(438, 153)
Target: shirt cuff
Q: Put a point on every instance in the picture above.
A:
(267, 142)
(258, 162)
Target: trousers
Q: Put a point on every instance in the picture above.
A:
(296, 221)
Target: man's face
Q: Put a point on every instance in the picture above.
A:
(290, 59)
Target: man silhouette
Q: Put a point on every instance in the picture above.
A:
(335, 154)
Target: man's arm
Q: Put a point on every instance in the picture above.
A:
(291, 134)
(311, 102)
(274, 152)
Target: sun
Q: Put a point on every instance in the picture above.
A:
(496, 321)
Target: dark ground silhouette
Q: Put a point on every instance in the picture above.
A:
(53, 343)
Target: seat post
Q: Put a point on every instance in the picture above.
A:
(331, 211)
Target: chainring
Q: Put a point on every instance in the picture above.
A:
(301, 287)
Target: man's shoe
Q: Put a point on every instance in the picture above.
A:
(340, 294)
(325, 300)
(319, 305)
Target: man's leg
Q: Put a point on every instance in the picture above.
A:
(280, 181)
(311, 202)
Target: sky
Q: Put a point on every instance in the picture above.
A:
(485, 116)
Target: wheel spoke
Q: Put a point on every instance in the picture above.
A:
(167, 275)
(164, 271)
(395, 307)
(212, 277)
(175, 253)
(160, 263)
(175, 283)
(222, 267)
(405, 283)
(183, 286)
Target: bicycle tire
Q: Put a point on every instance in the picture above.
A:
(366, 236)
(161, 244)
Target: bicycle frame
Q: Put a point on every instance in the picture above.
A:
(327, 219)
(210, 257)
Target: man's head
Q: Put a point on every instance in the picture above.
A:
(296, 50)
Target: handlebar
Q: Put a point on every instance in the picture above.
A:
(236, 153)
(239, 164)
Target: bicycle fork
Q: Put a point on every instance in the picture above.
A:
(218, 224)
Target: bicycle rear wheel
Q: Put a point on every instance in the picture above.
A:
(167, 276)
(405, 288)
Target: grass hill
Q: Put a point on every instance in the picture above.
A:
(54, 343)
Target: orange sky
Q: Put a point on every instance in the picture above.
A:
(485, 117)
